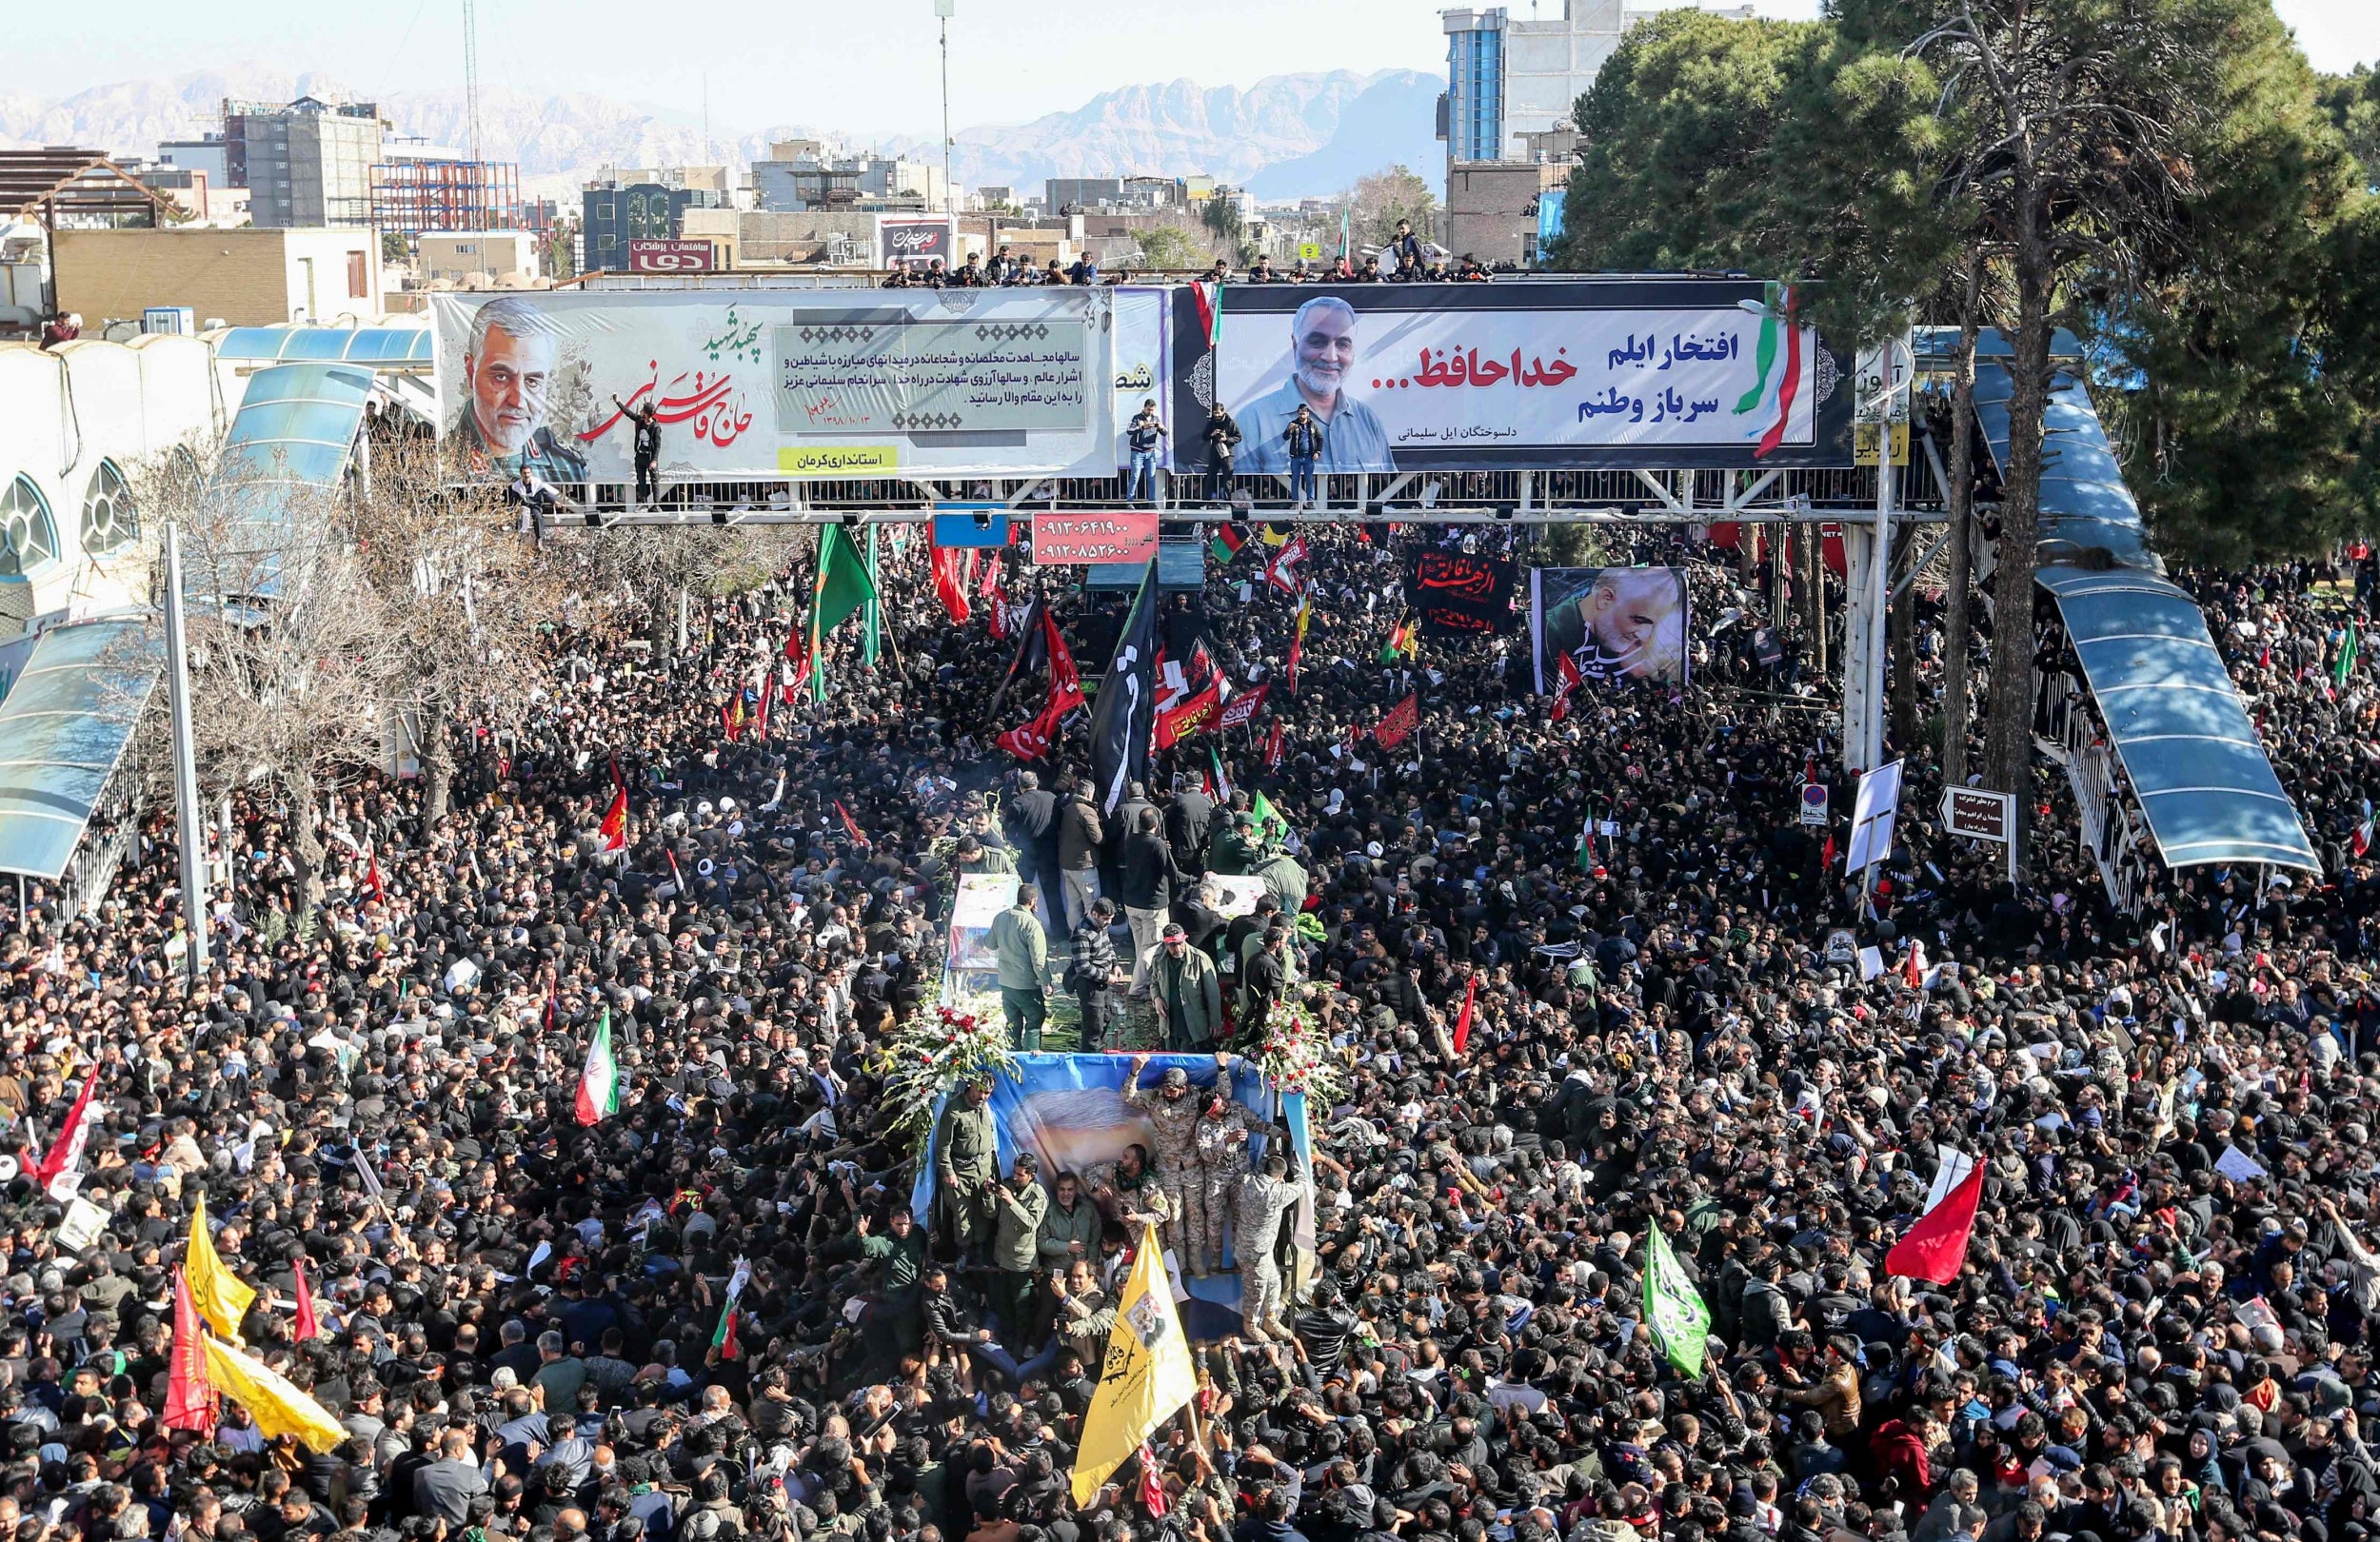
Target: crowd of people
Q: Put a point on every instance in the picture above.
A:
(2163, 1328)
(1405, 258)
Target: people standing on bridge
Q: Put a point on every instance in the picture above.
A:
(645, 424)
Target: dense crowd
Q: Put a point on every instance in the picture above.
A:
(2163, 1330)
(1404, 258)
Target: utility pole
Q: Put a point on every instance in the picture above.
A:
(188, 816)
(946, 9)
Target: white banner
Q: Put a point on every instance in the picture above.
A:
(1140, 364)
(1872, 814)
(756, 383)
(1408, 375)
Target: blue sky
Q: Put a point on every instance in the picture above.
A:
(869, 68)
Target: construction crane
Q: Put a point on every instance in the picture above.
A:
(470, 74)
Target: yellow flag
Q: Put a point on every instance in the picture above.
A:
(1146, 1376)
(277, 1407)
(218, 1292)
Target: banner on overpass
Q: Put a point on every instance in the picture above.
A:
(771, 383)
(1536, 374)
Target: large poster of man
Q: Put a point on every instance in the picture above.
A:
(760, 384)
(1071, 1112)
(1615, 624)
(1544, 374)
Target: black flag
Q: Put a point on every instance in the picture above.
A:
(1032, 651)
(1125, 714)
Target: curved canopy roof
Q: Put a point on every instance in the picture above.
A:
(385, 348)
(2196, 762)
(65, 720)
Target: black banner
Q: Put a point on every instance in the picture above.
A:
(1459, 595)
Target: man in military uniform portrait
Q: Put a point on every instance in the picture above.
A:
(508, 365)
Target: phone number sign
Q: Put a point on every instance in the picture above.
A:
(1074, 539)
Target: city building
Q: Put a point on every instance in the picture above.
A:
(413, 194)
(1508, 77)
(1492, 209)
(1118, 195)
(248, 277)
(498, 256)
(615, 213)
(208, 155)
(201, 195)
(84, 418)
(306, 163)
(802, 175)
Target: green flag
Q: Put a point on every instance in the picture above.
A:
(875, 622)
(1673, 1313)
(2346, 657)
(1268, 819)
(1586, 846)
(842, 588)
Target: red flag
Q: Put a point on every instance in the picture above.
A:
(676, 876)
(1273, 748)
(1282, 572)
(853, 825)
(66, 1150)
(732, 715)
(1032, 739)
(1065, 681)
(801, 658)
(1914, 967)
(950, 584)
(1826, 852)
(372, 879)
(1244, 707)
(1402, 721)
(615, 825)
(1935, 1248)
(307, 1326)
(988, 583)
(1570, 679)
(1189, 699)
(189, 1396)
(1152, 1487)
(1463, 1023)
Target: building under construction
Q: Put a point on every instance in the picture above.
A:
(411, 196)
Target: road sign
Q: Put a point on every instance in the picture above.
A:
(1981, 815)
(1978, 815)
(970, 524)
(1082, 540)
(1813, 803)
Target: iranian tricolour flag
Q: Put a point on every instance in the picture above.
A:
(724, 1340)
(1778, 359)
(599, 1084)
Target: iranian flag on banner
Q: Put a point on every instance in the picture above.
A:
(1777, 358)
(599, 1084)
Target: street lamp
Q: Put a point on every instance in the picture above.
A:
(946, 9)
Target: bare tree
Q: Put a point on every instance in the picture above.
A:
(291, 649)
(465, 598)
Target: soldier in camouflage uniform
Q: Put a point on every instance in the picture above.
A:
(1126, 1191)
(1222, 1150)
(1174, 1113)
(1265, 1199)
(966, 1164)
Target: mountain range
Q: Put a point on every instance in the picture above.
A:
(1285, 137)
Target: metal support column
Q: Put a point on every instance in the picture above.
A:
(188, 820)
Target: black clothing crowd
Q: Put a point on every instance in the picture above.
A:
(2164, 1329)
